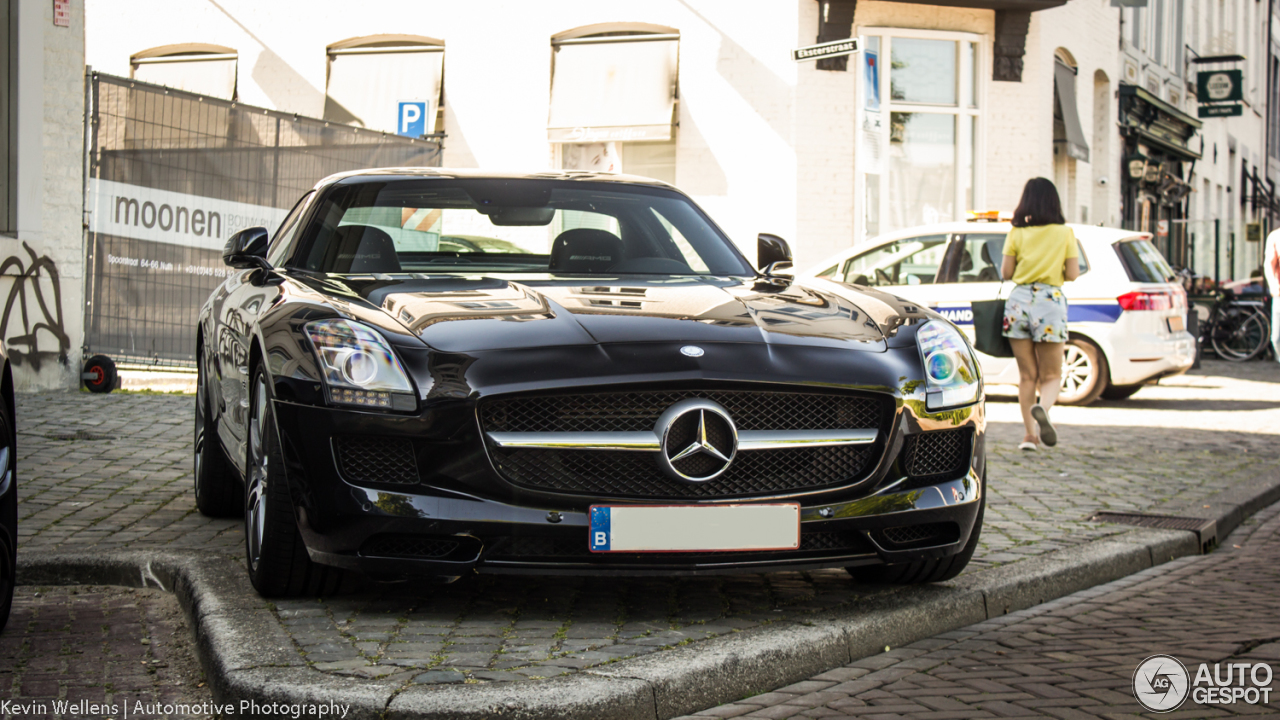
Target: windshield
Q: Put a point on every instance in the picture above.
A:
(513, 226)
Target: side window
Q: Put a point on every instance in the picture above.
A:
(282, 243)
(902, 262)
(980, 258)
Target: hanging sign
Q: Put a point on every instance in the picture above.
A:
(1216, 86)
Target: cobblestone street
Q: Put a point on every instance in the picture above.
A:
(113, 472)
(1072, 658)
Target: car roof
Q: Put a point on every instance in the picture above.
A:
(383, 174)
(1089, 234)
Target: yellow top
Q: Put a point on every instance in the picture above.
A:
(1041, 251)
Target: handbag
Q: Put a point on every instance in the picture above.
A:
(988, 328)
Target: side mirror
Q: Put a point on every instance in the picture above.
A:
(772, 254)
(247, 249)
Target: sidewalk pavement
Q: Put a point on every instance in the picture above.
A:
(106, 474)
(1073, 658)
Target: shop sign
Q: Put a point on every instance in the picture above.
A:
(837, 48)
(1217, 86)
(1253, 232)
(1212, 111)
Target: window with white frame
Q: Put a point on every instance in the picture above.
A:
(918, 142)
(613, 98)
(203, 69)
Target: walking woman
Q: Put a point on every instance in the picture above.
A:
(1040, 254)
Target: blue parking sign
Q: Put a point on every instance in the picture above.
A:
(412, 118)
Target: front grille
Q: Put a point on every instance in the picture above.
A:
(937, 453)
(920, 535)
(408, 546)
(376, 460)
(637, 474)
(637, 411)
(608, 473)
(526, 547)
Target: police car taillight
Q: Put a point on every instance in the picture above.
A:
(1153, 300)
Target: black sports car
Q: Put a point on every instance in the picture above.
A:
(595, 381)
(8, 491)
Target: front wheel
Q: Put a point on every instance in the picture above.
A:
(1084, 373)
(1240, 335)
(277, 558)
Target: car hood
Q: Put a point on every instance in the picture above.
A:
(472, 314)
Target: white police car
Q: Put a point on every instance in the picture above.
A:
(1127, 318)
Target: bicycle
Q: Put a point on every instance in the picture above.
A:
(1236, 330)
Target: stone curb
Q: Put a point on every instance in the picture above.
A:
(247, 655)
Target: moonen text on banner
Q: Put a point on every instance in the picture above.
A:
(142, 213)
(826, 50)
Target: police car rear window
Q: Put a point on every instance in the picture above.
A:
(1143, 262)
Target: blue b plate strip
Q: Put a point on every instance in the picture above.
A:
(600, 529)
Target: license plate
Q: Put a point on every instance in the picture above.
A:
(1176, 324)
(694, 528)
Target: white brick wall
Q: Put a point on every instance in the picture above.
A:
(50, 174)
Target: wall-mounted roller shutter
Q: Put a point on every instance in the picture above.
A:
(205, 73)
(367, 85)
(609, 89)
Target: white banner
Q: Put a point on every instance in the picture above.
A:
(141, 213)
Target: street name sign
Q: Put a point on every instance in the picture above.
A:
(826, 50)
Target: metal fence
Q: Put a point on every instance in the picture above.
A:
(170, 176)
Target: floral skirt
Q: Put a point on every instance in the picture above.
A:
(1036, 312)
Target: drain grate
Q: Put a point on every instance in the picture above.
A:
(78, 435)
(1206, 530)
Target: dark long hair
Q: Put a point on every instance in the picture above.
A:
(1039, 205)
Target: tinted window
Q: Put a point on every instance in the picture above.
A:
(903, 262)
(514, 226)
(1143, 262)
(282, 241)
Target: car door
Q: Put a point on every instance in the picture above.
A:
(907, 267)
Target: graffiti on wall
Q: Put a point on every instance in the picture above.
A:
(32, 324)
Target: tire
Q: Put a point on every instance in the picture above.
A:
(1084, 373)
(8, 515)
(276, 555)
(1120, 392)
(217, 488)
(101, 375)
(929, 570)
(1240, 335)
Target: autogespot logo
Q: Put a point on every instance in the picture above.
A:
(1161, 683)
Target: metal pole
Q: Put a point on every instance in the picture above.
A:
(1217, 250)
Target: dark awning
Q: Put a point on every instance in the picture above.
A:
(1064, 94)
(1157, 122)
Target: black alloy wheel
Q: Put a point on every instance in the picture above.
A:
(218, 492)
(277, 557)
(8, 514)
(927, 570)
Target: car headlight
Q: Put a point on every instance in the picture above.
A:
(359, 367)
(952, 377)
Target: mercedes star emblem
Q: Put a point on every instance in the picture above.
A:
(691, 350)
(698, 440)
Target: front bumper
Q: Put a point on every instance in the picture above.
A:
(461, 517)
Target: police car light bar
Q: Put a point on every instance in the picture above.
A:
(989, 216)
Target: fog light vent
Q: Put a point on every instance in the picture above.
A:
(910, 536)
(377, 460)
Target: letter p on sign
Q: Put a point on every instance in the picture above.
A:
(412, 119)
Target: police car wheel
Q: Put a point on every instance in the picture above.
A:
(1084, 373)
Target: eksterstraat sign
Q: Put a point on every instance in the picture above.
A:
(826, 50)
(163, 216)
